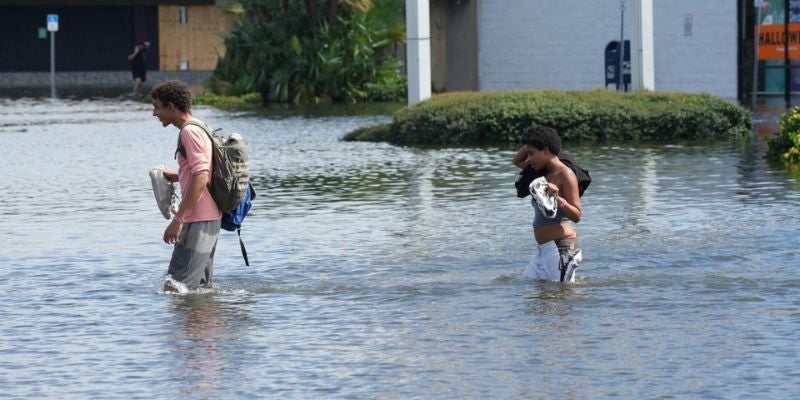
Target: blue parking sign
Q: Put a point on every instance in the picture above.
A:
(52, 22)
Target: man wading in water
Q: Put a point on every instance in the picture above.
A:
(195, 228)
(558, 253)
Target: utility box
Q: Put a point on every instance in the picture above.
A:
(612, 62)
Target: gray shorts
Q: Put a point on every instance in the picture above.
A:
(192, 260)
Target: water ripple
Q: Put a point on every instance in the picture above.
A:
(388, 272)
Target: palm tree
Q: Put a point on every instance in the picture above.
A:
(330, 8)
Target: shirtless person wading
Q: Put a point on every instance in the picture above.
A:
(558, 253)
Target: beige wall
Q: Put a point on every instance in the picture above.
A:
(197, 42)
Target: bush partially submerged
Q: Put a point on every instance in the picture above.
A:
(784, 146)
(222, 101)
(599, 115)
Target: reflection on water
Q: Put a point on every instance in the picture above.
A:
(552, 299)
(199, 336)
(380, 271)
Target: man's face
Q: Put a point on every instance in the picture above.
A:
(164, 113)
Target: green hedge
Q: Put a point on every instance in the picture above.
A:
(223, 101)
(784, 146)
(599, 115)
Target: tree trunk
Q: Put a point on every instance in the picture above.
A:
(311, 8)
(332, 10)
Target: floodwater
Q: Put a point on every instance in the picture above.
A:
(389, 272)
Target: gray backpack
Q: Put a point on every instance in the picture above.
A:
(230, 173)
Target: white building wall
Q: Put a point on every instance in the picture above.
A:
(696, 46)
(541, 44)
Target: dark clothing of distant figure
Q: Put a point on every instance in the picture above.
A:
(139, 64)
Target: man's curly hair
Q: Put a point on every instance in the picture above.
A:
(541, 136)
(174, 92)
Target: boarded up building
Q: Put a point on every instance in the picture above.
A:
(97, 35)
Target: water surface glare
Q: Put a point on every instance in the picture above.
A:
(389, 272)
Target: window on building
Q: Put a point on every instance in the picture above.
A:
(183, 16)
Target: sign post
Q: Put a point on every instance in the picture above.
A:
(52, 27)
(786, 64)
(620, 49)
(758, 4)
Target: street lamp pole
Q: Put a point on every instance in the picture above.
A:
(754, 97)
(621, 46)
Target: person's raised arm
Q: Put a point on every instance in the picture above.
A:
(135, 52)
(521, 156)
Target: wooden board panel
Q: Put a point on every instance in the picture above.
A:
(198, 42)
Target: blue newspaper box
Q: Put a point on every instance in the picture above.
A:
(612, 61)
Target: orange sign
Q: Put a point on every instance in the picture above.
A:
(772, 38)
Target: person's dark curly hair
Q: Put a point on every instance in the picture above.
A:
(174, 92)
(542, 137)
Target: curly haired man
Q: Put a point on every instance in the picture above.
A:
(195, 228)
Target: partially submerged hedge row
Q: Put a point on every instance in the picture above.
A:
(223, 101)
(598, 115)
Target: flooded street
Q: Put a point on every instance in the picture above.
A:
(389, 272)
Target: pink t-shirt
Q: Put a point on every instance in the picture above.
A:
(197, 161)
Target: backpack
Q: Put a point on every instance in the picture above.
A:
(527, 175)
(229, 167)
(230, 179)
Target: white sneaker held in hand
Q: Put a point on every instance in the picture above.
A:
(164, 192)
(545, 202)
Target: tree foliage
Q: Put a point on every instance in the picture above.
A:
(784, 146)
(311, 51)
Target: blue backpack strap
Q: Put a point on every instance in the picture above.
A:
(251, 192)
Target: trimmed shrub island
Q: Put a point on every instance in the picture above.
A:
(477, 118)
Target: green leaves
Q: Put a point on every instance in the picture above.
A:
(501, 117)
(784, 145)
(313, 51)
(296, 46)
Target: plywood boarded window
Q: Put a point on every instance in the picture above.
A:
(196, 44)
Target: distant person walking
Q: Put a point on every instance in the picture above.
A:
(195, 228)
(138, 66)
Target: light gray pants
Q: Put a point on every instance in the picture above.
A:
(555, 261)
(192, 260)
